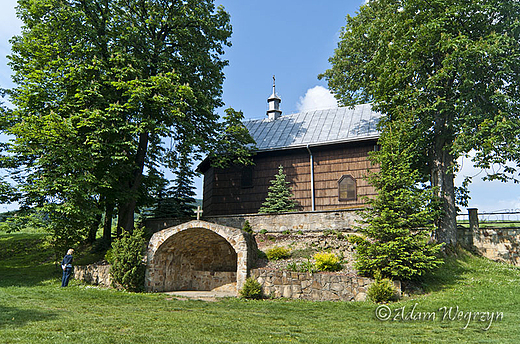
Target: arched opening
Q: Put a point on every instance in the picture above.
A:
(197, 259)
(198, 255)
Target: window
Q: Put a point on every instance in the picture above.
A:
(347, 189)
(246, 180)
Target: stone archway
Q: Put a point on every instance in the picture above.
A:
(197, 255)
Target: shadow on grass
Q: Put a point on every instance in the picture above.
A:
(11, 316)
(450, 273)
(31, 276)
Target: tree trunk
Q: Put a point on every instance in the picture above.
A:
(442, 177)
(125, 220)
(93, 229)
(107, 224)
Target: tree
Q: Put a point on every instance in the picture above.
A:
(279, 196)
(234, 145)
(401, 217)
(178, 200)
(100, 84)
(450, 65)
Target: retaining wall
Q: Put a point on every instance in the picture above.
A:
(319, 286)
(306, 221)
(94, 274)
(500, 244)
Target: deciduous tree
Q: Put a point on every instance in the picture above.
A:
(99, 85)
(450, 65)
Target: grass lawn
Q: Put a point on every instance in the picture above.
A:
(34, 309)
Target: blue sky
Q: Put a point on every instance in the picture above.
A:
(292, 40)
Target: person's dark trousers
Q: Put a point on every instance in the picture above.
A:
(66, 276)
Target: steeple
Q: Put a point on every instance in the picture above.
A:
(274, 104)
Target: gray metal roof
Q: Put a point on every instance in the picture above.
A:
(318, 127)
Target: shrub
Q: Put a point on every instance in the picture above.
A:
(109, 256)
(277, 253)
(305, 266)
(127, 254)
(247, 227)
(382, 290)
(326, 261)
(251, 289)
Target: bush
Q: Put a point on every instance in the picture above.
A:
(247, 227)
(277, 253)
(109, 256)
(326, 261)
(305, 266)
(382, 290)
(251, 289)
(127, 254)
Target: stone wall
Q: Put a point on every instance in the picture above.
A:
(311, 221)
(500, 244)
(94, 274)
(319, 286)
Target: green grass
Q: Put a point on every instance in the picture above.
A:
(491, 224)
(34, 309)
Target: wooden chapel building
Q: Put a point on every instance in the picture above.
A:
(324, 154)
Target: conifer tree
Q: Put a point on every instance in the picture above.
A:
(401, 218)
(279, 196)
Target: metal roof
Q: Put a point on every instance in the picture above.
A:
(314, 128)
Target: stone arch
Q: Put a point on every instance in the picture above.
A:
(197, 255)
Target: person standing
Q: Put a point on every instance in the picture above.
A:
(66, 265)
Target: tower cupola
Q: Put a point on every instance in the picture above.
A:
(274, 104)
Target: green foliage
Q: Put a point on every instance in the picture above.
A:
(400, 219)
(252, 289)
(247, 227)
(327, 261)
(277, 253)
(109, 256)
(449, 68)
(305, 266)
(382, 290)
(234, 145)
(100, 86)
(128, 268)
(279, 196)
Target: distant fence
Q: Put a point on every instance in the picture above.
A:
(503, 216)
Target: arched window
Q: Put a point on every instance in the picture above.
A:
(347, 189)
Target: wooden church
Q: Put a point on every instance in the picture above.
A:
(324, 154)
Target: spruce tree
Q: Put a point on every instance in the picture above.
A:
(279, 196)
(401, 218)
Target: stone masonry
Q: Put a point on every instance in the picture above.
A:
(94, 274)
(198, 255)
(318, 286)
(343, 220)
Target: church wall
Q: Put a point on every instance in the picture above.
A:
(224, 195)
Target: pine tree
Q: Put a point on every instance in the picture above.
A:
(279, 196)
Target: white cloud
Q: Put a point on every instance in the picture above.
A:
(316, 98)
